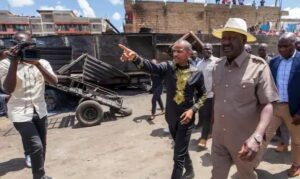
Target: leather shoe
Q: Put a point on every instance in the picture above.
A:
(294, 171)
(188, 175)
(282, 148)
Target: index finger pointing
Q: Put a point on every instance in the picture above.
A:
(124, 48)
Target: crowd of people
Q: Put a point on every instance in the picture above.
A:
(239, 2)
(241, 100)
(245, 98)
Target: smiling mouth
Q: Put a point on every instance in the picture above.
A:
(226, 49)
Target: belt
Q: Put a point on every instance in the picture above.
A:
(282, 103)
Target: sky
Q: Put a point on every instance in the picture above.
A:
(109, 9)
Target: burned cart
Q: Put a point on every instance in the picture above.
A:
(89, 110)
(92, 96)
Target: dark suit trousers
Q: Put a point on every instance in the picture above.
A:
(181, 135)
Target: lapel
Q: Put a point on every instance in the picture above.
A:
(295, 63)
(275, 68)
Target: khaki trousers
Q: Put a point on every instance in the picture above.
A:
(223, 156)
(282, 114)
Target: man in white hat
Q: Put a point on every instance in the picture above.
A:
(244, 92)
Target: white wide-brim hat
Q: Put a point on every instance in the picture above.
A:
(237, 25)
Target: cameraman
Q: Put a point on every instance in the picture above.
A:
(25, 82)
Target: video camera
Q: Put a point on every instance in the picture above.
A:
(27, 54)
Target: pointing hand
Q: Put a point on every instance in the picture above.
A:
(128, 54)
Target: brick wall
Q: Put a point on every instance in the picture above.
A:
(178, 17)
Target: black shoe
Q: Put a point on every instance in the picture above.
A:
(189, 169)
(188, 174)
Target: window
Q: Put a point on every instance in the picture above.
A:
(18, 27)
(95, 26)
(2, 28)
(35, 26)
(48, 16)
(129, 17)
(49, 26)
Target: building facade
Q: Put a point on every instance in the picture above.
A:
(181, 17)
(51, 22)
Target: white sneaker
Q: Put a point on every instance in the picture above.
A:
(166, 130)
(28, 161)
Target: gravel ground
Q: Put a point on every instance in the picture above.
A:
(119, 148)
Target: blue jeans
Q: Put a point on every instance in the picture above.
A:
(34, 135)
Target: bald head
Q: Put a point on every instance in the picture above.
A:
(288, 36)
(286, 45)
(185, 44)
(248, 48)
(182, 51)
(262, 50)
(207, 50)
(22, 37)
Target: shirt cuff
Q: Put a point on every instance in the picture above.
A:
(139, 62)
(200, 103)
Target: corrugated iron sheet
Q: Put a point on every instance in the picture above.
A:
(97, 70)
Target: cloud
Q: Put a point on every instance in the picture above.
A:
(20, 3)
(116, 16)
(56, 7)
(199, 1)
(116, 2)
(294, 13)
(86, 8)
(60, 7)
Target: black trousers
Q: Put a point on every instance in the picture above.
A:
(181, 135)
(34, 136)
(157, 98)
(205, 114)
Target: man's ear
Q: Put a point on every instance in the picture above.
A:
(245, 39)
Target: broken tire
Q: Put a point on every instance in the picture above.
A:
(122, 111)
(89, 113)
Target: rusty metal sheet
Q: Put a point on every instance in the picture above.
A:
(97, 70)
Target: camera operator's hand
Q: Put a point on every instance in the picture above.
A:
(50, 78)
(33, 62)
(12, 53)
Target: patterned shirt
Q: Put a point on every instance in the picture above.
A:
(29, 92)
(181, 85)
(283, 76)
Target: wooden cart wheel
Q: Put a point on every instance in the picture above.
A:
(122, 112)
(89, 113)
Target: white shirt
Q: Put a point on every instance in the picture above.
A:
(207, 66)
(29, 91)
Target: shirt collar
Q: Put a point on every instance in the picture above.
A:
(282, 58)
(238, 61)
(191, 67)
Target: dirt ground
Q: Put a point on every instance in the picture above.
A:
(118, 148)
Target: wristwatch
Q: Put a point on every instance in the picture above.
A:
(258, 138)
